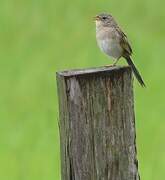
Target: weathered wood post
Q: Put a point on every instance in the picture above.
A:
(97, 124)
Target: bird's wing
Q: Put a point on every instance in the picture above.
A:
(124, 41)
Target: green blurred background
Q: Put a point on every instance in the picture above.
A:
(40, 37)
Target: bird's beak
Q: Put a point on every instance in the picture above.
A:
(96, 18)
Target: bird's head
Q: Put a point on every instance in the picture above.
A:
(103, 19)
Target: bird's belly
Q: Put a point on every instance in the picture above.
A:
(111, 47)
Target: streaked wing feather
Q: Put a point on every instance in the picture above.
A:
(124, 41)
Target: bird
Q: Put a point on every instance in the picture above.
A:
(114, 42)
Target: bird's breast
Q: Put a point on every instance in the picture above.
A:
(109, 44)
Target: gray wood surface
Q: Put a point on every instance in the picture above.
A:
(97, 124)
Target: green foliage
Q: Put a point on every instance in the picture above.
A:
(40, 37)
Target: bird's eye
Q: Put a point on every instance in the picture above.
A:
(104, 17)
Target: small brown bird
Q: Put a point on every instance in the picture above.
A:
(113, 42)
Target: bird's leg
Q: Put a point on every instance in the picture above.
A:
(114, 64)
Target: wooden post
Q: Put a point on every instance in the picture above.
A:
(97, 124)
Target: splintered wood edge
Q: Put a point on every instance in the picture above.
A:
(78, 72)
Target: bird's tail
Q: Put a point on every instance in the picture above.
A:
(135, 71)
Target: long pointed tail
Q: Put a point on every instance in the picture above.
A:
(135, 71)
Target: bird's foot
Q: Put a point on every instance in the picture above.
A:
(114, 64)
(110, 65)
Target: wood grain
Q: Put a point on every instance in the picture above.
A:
(97, 124)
